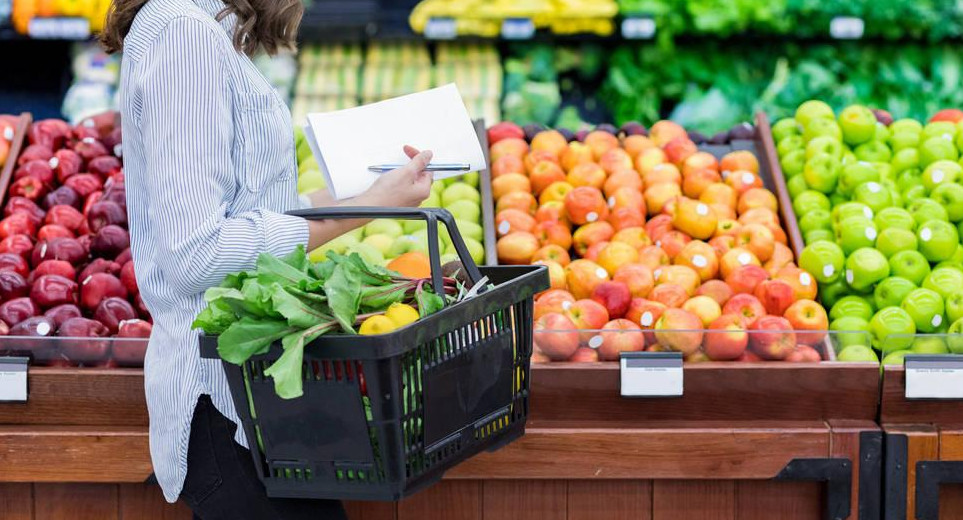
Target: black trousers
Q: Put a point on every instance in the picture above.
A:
(222, 481)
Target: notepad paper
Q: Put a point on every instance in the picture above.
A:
(346, 142)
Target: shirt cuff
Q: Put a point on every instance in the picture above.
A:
(283, 233)
(305, 202)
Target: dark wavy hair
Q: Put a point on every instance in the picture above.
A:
(268, 25)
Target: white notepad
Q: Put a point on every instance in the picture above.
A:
(346, 142)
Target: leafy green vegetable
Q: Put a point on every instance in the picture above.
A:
(294, 301)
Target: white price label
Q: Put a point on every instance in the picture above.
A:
(441, 29)
(638, 28)
(847, 28)
(59, 28)
(651, 374)
(518, 28)
(934, 377)
(13, 379)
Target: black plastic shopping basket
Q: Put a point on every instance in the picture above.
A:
(385, 416)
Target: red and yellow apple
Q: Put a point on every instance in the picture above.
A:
(727, 338)
(809, 320)
(620, 336)
(679, 330)
(583, 276)
(637, 277)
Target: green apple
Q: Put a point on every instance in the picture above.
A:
(944, 280)
(438, 187)
(865, 268)
(459, 191)
(929, 345)
(938, 240)
(891, 291)
(822, 127)
(857, 354)
(905, 159)
(810, 200)
(855, 233)
(925, 307)
(892, 329)
(914, 194)
(369, 253)
(908, 179)
(895, 218)
(821, 173)
(796, 185)
(384, 226)
(855, 174)
(789, 144)
(893, 240)
(941, 172)
(830, 293)
(911, 265)
(849, 330)
(848, 157)
(818, 219)
(784, 128)
(339, 245)
(954, 338)
(858, 124)
(465, 210)
(411, 227)
(815, 235)
(882, 133)
(950, 196)
(851, 209)
(813, 109)
(851, 306)
(899, 141)
(380, 242)
(937, 149)
(792, 163)
(925, 210)
(836, 198)
(896, 358)
(874, 152)
(824, 145)
(824, 260)
(886, 172)
(471, 178)
(406, 244)
(874, 195)
(310, 181)
(944, 129)
(470, 229)
(476, 250)
(907, 124)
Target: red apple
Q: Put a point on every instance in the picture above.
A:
(587, 315)
(745, 278)
(679, 330)
(614, 296)
(717, 290)
(584, 355)
(775, 295)
(745, 305)
(727, 338)
(804, 354)
(618, 336)
(807, 315)
(646, 314)
(555, 336)
(553, 300)
(772, 338)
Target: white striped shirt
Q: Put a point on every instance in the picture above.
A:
(210, 168)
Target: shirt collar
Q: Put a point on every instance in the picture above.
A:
(213, 8)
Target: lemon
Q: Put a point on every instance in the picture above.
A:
(375, 325)
(401, 314)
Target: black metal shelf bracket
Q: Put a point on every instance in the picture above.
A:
(837, 473)
(930, 474)
(895, 477)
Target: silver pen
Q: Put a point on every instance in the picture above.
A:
(436, 167)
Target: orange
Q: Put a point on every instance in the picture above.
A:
(412, 265)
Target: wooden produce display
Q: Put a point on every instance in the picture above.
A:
(923, 475)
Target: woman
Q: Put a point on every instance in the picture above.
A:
(210, 170)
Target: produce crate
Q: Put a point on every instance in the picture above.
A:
(385, 416)
(923, 474)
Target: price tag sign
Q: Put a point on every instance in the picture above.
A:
(638, 28)
(847, 28)
(441, 28)
(934, 377)
(59, 28)
(651, 374)
(518, 28)
(13, 379)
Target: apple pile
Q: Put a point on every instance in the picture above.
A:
(650, 244)
(880, 206)
(65, 263)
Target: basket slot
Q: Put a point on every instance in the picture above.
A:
(291, 470)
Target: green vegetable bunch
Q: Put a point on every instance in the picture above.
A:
(296, 301)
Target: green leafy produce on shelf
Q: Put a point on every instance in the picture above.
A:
(295, 301)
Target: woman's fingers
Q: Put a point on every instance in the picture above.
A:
(411, 151)
(420, 161)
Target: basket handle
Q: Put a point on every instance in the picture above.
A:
(430, 215)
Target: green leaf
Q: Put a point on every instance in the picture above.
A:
(379, 298)
(298, 259)
(286, 371)
(344, 295)
(271, 269)
(215, 318)
(257, 299)
(428, 302)
(249, 337)
(298, 312)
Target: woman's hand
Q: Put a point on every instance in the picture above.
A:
(406, 187)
